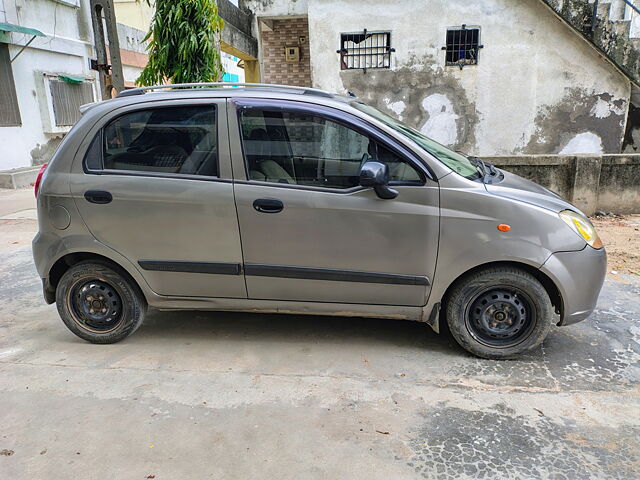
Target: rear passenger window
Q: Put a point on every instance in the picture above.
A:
(306, 149)
(174, 140)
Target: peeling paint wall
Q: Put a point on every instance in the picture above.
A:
(428, 99)
(632, 134)
(538, 87)
(275, 8)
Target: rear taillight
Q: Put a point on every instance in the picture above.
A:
(36, 185)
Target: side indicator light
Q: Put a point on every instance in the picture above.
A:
(503, 227)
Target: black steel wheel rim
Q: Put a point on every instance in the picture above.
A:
(96, 305)
(500, 316)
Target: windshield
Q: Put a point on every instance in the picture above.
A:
(457, 162)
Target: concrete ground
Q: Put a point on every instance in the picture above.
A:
(197, 395)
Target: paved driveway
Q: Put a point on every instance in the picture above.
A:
(225, 396)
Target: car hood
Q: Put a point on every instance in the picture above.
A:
(517, 188)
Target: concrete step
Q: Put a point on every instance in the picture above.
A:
(18, 177)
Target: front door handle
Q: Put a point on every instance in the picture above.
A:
(268, 205)
(98, 196)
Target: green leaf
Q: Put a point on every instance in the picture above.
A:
(183, 43)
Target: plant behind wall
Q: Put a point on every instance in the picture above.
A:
(184, 43)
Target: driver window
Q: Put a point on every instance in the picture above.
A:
(306, 149)
(302, 149)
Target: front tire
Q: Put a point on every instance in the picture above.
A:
(499, 312)
(99, 302)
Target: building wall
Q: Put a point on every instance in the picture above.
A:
(276, 37)
(538, 88)
(275, 8)
(133, 52)
(66, 49)
(134, 13)
(591, 182)
(232, 72)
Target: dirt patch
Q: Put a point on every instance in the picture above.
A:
(621, 238)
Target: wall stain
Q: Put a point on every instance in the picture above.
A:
(576, 113)
(411, 84)
(631, 142)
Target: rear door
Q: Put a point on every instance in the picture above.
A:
(156, 187)
(309, 231)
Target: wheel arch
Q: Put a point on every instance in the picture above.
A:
(549, 285)
(64, 263)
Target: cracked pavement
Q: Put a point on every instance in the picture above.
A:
(233, 395)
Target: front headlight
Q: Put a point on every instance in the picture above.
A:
(582, 226)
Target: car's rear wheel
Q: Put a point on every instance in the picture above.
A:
(99, 303)
(499, 312)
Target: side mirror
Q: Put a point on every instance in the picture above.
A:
(376, 175)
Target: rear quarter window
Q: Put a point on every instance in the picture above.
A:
(171, 140)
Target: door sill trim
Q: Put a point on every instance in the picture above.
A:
(331, 274)
(215, 268)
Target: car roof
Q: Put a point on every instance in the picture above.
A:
(217, 86)
(221, 90)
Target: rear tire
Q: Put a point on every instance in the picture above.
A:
(499, 312)
(99, 302)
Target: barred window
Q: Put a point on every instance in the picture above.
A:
(462, 46)
(67, 99)
(9, 111)
(365, 50)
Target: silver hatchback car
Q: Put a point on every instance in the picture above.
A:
(267, 198)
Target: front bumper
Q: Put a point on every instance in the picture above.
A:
(579, 277)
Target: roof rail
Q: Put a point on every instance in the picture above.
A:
(179, 86)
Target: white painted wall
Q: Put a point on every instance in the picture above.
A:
(532, 64)
(132, 39)
(276, 8)
(66, 49)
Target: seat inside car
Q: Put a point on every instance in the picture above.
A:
(261, 164)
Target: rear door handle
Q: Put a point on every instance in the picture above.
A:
(268, 205)
(98, 196)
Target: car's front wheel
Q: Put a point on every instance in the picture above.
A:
(499, 312)
(99, 303)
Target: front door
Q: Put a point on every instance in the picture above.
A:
(157, 188)
(309, 231)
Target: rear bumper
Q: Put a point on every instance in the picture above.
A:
(579, 277)
(41, 246)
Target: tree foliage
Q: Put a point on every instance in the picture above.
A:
(184, 42)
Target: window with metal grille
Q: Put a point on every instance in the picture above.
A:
(9, 111)
(365, 50)
(67, 99)
(462, 47)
